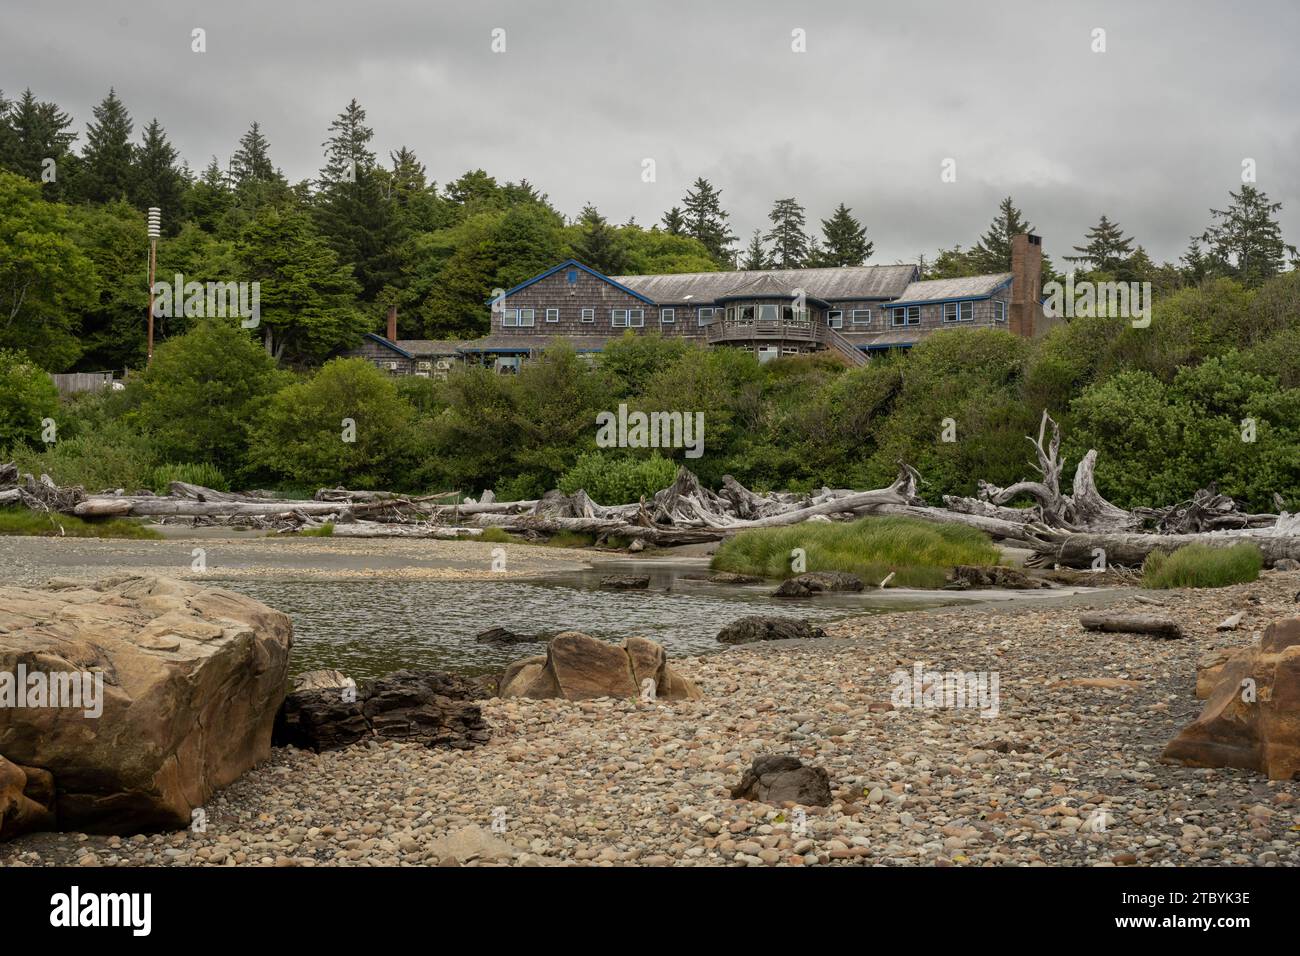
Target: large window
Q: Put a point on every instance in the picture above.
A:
(513, 318)
(959, 311)
(769, 313)
(906, 315)
(860, 316)
(627, 318)
(667, 316)
(705, 316)
(835, 318)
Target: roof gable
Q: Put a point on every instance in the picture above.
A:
(571, 264)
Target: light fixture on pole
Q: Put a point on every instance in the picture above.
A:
(155, 230)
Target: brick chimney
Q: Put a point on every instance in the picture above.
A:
(392, 323)
(1026, 285)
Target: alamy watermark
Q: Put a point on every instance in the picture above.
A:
(651, 430)
(77, 690)
(209, 300)
(1124, 300)
(977, 690)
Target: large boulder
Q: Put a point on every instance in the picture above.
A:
(26, 799)
(816, 582)
(181, 683)
(1252, 717)
(775, 779)
(765, 627)
(432, 708)
(577, 666)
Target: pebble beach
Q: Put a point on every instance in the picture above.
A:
(1066, 773)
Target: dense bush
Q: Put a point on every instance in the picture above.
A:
(27, 397)
(617, 479)
(345, 425)
(109, 456)
(1200, 566)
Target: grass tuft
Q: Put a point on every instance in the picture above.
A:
(1200, 566)
(21, 521)
(920, 553)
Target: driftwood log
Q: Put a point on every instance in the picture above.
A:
(1118, 623)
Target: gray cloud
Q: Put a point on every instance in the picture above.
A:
(1152, 132)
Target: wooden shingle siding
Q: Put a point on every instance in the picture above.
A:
(383, 358)
(586, 292)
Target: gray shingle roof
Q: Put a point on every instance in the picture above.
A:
(933, 289)
(846, 282)
(580, 343)
(429, 347)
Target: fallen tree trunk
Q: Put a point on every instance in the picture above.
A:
(1119, 623)
(1081, 550)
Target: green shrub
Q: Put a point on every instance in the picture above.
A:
(918, 552)
(20, 521)
(618, 479)
(110, 456)
(27, 397)
(495, 536)
(192, 473)
(324, 531)
(1200, 566)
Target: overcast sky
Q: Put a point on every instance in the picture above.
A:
(1152, 132)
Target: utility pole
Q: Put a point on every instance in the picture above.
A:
(155, 230)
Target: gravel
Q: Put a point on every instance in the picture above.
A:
(1064, 774)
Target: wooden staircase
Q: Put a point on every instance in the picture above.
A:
(831, 339)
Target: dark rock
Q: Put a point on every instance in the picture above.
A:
(429, 707)
(775, 779)
(731, 577)
(1286, 564)
(625, 582)
(977, 576)
(815, 582)
(762, 627)
(503, 635)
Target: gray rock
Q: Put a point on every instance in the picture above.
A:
(815, 582)
(503, 635)
(625, 582)
(775, 779)
(762, 627)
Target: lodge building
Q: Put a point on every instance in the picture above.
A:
(853, 311)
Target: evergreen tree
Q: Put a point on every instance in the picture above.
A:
(208, 198)
(350, 207)
(598, 244)
(158, 181)
(106, 172)
(755, 256)
(845, 240)
(706, 220)
(993, 252)
(252, 160)
(39, 131)
(1105, 249)
(675, 222)
(1245, 240)
(8, 137)
(789, 244)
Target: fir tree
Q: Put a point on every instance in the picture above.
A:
(107, 157)
(789, 244)
(158, 181)
(845, 240)
(598, 244)
(755, 255)
(674, 222)
(1245, 240)
(1105, 249)
(706, 220)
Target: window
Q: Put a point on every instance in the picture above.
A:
(667, 316)
(835, 318)
(999, 310)
(511, 318)
(705, 317)
(573, 277)
(958, 311)
(589, 315)
(627, 318)
(769, 313)
(860, 316)
(552, 315)
(906, 315)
